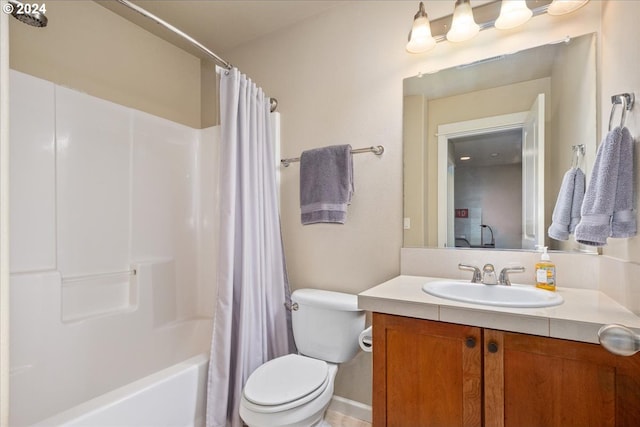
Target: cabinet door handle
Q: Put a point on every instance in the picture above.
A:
(470, 342)
(492, 347)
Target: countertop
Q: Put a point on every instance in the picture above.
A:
(579, 318)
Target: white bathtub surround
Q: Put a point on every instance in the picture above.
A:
(59, 365)
(251, 323)
(99, 191)
(171, 397)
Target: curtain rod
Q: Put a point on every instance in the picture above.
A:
(177, 31)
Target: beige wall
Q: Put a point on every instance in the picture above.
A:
(338, 78)
(620, 61)
(415, 169)
(339, 81)
(89, 48)
(570, 104)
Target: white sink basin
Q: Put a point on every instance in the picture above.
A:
(523, 296)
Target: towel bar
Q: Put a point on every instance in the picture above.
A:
(377, 150)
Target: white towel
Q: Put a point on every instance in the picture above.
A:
(326, 184)
(609, 196)
(566, 213)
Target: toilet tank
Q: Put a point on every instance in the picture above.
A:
(326, 324)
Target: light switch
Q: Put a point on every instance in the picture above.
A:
(407, 224)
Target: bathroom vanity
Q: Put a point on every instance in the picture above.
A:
(438, 362)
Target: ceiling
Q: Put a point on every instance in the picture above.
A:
(489, 149)
(220, 25)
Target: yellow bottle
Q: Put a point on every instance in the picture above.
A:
(546, 272)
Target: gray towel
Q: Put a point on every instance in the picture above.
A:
(566, 213)
(623, 223)
(326, 184)
(600, 197)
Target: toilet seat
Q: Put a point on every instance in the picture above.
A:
(286, 382)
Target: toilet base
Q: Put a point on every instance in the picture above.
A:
(310, 414)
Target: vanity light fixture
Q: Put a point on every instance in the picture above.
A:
(420, 39)
(463, 25)
(562, 7)
(463, 158)
(513, 13)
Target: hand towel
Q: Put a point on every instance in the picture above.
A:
(623, 223)
(566, 213)
(600, 197)
(326, 184)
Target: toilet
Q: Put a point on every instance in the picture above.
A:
(295, 390)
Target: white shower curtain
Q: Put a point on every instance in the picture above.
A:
(251, 324)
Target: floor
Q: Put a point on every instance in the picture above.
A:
(336, 419)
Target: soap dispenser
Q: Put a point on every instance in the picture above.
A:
(545, 272)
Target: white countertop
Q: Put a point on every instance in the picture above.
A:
(578, 318)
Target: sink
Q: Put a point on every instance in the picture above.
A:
(520, 296)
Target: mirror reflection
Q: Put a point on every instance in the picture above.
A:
(486, 145)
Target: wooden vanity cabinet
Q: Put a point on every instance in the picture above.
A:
(429, 373)
(426, 373)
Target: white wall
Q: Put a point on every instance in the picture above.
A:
(98, 189)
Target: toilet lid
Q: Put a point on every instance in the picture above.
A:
(285, 379)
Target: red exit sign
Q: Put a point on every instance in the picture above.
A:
(462, 213)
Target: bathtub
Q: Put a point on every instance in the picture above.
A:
(174, 396)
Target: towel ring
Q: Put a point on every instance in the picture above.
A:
(627, 100)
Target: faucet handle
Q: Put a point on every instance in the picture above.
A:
(504, 274)
(477, 275)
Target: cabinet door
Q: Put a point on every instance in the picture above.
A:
(425, 373)
(546, 382)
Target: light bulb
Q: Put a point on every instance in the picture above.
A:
(463, 26)
(420, 38)
(562, 7)
(513, 13)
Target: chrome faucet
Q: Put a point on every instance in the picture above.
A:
(489, 275)
(504, 274)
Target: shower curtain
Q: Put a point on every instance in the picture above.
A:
(251, 324)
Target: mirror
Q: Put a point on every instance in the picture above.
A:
(486, 146)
